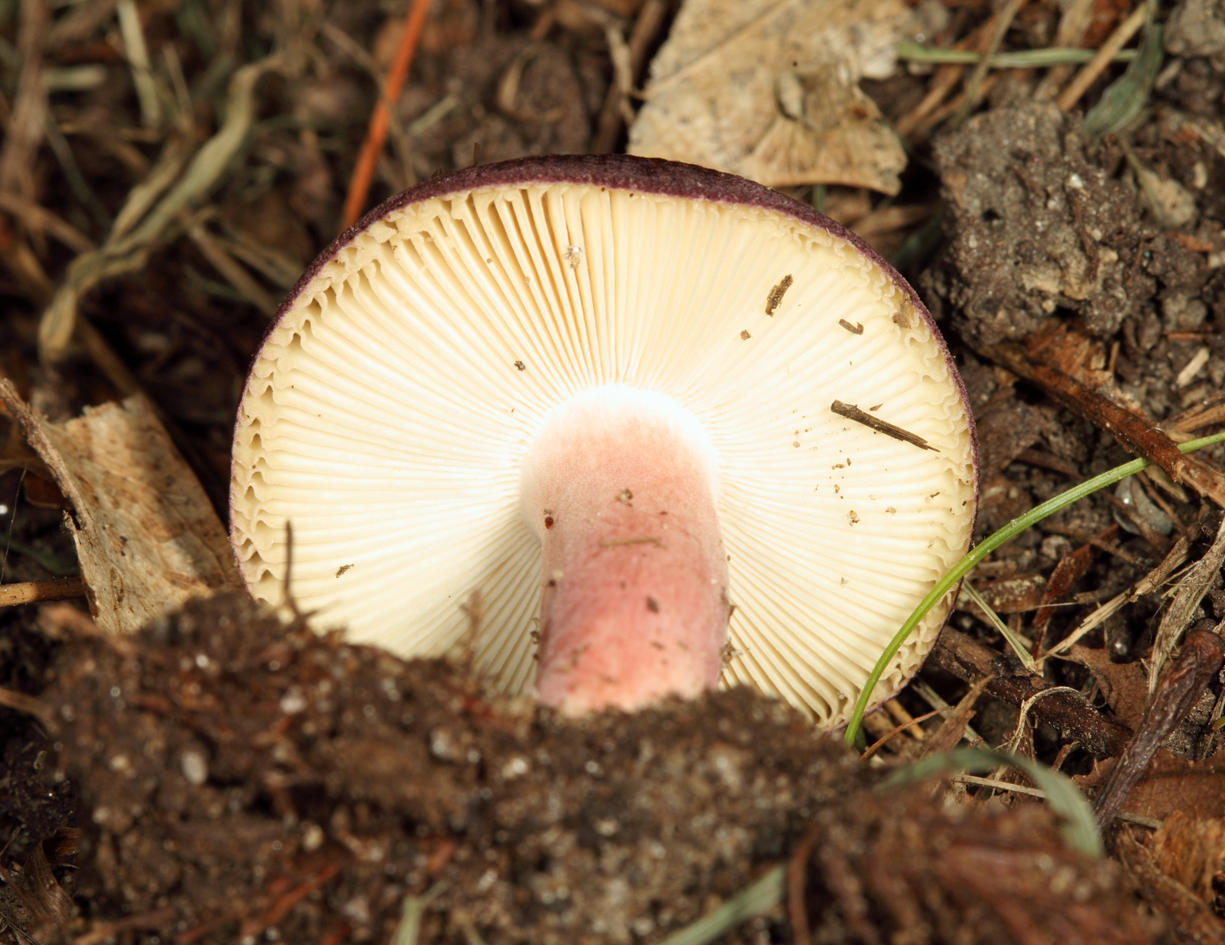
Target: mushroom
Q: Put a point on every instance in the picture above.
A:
(695, 429)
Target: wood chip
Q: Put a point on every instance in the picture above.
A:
(146, 535)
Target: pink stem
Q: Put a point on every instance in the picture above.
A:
(634, 579)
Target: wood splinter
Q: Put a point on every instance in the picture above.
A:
(36, 592)
(851, 412)
(775, 298)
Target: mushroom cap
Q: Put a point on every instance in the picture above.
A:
(389, 410)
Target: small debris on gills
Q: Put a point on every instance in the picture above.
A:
(775, 298)
(851, 412)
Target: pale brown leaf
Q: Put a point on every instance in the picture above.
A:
(768, 89)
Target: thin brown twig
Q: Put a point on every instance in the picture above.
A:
(30, 705)
(1000, 22)
(1066, 712)
(1074, 21)
(376, 132)
(1184, 604)
(904, 726)
(797, 866)
(1197, 663)
(280, 908)
(45, 221)
(918, 121)
(1094, 67)
(37, 592)
(852, 412)
(610, 122)
(1202, 415)
(1154, 579)
(1135, 433)
(960, 104)
(23, 132)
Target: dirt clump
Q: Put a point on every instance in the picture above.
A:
(1037, 228)
(242, 780)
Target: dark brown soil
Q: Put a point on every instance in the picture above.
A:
(245, 781)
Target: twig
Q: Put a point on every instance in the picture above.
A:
(30, 705)
(44, 221)
(280, 908)
(36, 592)
(1197, 663)
(233, 273)
(1074, 20)
(797, 870)
(1134, 432)
(996, 784)
(916, 122)
(80, 22)
(908, 726)
(852, 412)
(1181, 611)
(151, 213)
(608, 127)
(1155, 578)
(376, 132)
(1066, 712)
(23, 129)
(999, 26)
(1093, 68)
(1204, 414)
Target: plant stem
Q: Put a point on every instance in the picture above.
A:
(988, 545)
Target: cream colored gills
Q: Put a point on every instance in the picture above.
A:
(390, 410)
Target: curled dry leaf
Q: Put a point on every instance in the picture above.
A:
(1170, 783)
(145, 533)
(768, 89)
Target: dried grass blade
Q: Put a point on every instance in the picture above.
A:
(127, 249)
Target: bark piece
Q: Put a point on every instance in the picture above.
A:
(146, 536)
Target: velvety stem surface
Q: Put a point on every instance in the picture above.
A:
(634, 578)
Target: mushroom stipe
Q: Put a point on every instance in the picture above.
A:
(560, 334)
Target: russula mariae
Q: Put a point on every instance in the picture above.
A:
(646, 424)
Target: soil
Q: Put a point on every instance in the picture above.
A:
(221, 777)
(354, 787)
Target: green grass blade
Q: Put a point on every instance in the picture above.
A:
(1077, 824)
(754, 899)
(984, 548)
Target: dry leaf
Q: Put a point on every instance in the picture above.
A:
(146, 536)
(1122, 685)
(1170, 784)
(767, 89)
